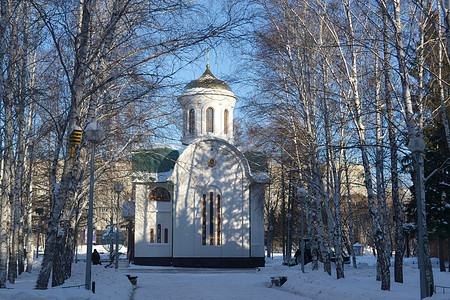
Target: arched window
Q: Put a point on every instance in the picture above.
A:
(159, 194)
(166, 235)
(191, 125)
(210, 120)
(204, 220)
(225, 121)
(218, 220)
(158, 234)
(211, 218)
(210, 212)
(152, 235)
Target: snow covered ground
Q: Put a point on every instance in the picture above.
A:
(190, 283)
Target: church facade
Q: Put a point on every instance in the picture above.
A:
(200, 204)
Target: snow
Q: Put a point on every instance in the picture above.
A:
(192, 283)
(261, 177)
(200, 90)
(179, 147)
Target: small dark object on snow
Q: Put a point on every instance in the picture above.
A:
(133, 279)
(278, 280)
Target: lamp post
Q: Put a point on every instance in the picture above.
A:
(118, 187)
(271, 240)
(94, 135)
(289, 217)
(111, 232)
(301, 193)
(417, 146)
(40, 212)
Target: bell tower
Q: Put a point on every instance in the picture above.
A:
(208, 105)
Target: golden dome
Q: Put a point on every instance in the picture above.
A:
(208, 81)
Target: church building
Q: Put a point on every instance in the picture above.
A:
(200, 203)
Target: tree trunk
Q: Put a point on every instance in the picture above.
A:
(63, 192)
(311, 219)
(441, 65)
(13, 197)
(350, 212)
(58, 256)
(21, 251)
(323, 246)
(377, 224)
(441, 254)
(30, 256)
(69, 252)
(448, 253)
(4, 208)
(397, 203)
(413, 131)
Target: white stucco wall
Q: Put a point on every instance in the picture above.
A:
(148, 214)
(200, 100)
(257, 219)
(192, 178)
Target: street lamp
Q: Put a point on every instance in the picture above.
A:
(271, 240)
(94, 135)
(301, 193)
(40, 212)
(417, 146)
(118, 187)
(289, 217)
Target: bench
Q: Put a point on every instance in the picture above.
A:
(278, 280)
(133, 279)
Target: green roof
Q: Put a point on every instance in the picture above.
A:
(157, 160)
(258, 161)
(208, 81)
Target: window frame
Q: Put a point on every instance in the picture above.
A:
(209, 120)
(159, 197)
(225, 121)
(191, 121)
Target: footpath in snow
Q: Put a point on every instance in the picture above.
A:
(188, 283)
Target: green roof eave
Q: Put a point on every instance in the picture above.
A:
(258, 161)
(157, 160)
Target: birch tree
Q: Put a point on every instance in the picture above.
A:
(103, 67)
(413, 124)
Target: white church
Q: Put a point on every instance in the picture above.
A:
(199, 203)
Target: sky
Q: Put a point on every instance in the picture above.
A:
(196, 283)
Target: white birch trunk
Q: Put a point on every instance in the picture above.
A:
(63, 192)
(397, 203)
(4, 207)
(9, 142)
(321, 238)
(413, 132)
(377, 224)
(20, 159)
(381, 200)
(334, 231)
(350, 212)
(445, 4)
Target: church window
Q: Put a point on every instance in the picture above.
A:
(204, 220)
(211, 218)
(158, 234)
(225, 121)
(159, 194)
(191, 121)
(152, 235)
(218, 220)
(210, 120)
(166, 235)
